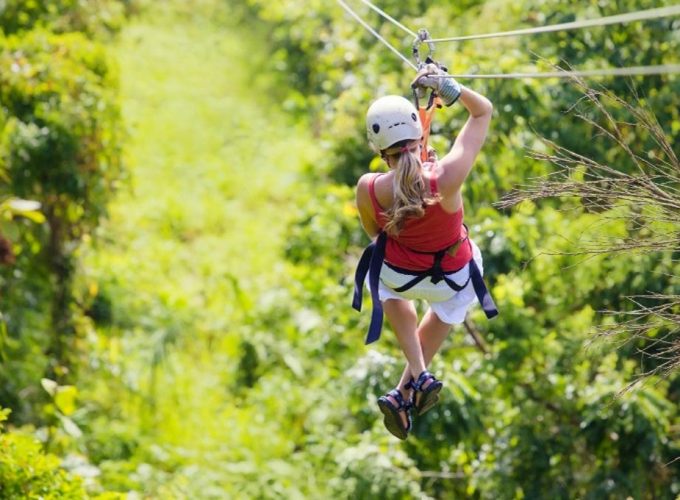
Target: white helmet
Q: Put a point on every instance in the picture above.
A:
(391, 119)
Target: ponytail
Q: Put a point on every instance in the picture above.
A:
(410, 195)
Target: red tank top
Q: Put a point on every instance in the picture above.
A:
(434, 231)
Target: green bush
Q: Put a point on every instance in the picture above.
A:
(94, 17)
(27, 472)
(60, 139)
(537, 417)
(61, 135)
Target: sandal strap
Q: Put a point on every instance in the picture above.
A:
(422, 378)
(396, 394)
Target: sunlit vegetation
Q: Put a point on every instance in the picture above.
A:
(178, 236)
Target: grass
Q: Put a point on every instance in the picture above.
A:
(193, 241)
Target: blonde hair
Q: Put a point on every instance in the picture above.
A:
(410, 191)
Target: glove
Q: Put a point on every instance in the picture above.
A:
(434, 77)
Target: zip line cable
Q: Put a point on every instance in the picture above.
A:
(622, 18)
(390, 18)
(627, 71)
(629, 17)
(375, 33)
(673, 10)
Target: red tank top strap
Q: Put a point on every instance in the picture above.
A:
(371, 193)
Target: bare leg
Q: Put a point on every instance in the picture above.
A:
(432, 332)
(402, 316)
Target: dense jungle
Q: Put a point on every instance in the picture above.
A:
(179, 233)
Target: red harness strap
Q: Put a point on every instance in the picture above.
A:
(426, 120)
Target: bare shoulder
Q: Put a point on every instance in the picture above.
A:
(365, 206)
(362, 185)
(364, 180)
(363, 197)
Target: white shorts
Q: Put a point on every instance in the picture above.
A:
(449, 306)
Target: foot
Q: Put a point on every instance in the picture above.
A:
(395, 409)
(405, 396)
(425, 392)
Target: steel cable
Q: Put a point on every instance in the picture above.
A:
(375, 33)
(673, 10)
(622, 18)
(389, 18)
(627, 71)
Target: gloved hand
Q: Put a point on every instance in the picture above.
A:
(433, 77)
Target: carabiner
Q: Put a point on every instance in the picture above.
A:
(422, 37)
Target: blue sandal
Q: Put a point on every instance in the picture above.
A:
(429, 396)
(392, 413)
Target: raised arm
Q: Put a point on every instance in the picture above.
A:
(456, 165)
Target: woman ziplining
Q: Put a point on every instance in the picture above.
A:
(421, 249)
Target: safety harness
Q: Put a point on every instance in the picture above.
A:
(371, 262)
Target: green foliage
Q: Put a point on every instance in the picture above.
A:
(96, 17)
(219, 357)
(60, 139)
(324, 229)
(27, 472)
(540, 417)
(366, 471)
(59, 165)
(335, 68)
(59, 145)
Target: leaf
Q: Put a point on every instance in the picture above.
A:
(36, 217)
(294, 364)
(65, 399)
(49, 385)
(70, 427)
(18, 205)
(4, 415)
(25, 208)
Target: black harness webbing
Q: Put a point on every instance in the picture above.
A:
(371, 263)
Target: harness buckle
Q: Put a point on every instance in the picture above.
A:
(436, 271)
